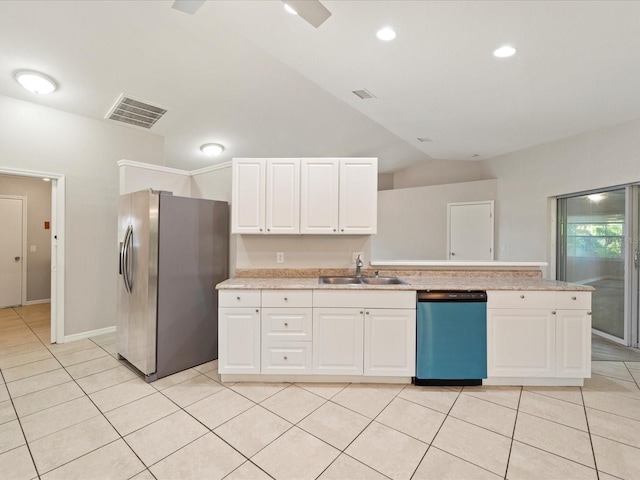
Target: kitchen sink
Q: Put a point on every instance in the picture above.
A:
(361, 280)
(340, 280)
(383, 281)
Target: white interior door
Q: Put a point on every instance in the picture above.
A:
(470, 231)
(11, 251)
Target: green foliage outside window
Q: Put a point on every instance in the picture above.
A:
(600, 240)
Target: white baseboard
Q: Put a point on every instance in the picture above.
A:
(37, 302)
(89, 334)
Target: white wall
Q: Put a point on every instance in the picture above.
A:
(527, 178)
(38, 195)
(86, 151)
(439, 172)
(412, 222)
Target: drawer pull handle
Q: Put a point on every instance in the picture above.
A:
(553, 313)
(573, 298)
(286, 324)
(238, 298)
(286, 299)
(367, 313)
(521, 296)
(361, 312)
(257, 311)
(285, 358)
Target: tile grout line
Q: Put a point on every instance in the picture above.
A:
(513, 433)
(593, 452)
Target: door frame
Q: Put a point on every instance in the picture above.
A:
(23, 247)
(491, 203)
(57, 244)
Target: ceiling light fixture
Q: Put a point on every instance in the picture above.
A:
(46, 179)
(290, 9)
(212, 149)
(36, 82)
(386, 34)
(504, 51)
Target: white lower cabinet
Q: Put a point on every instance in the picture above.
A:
(337, 341)
(520, 343)
(573, 343)
(286, 340)
(528, 336)
(239, 340)
(389, 342)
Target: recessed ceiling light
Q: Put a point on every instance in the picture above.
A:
(212, 149)
(504, 51)
(290, 9)
(387, 34)
(36, 82)
(46, 179)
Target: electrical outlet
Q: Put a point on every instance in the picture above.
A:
(354, 257)
(280, 257)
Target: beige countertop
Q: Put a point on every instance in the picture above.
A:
(413, 283)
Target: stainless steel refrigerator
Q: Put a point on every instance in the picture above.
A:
(173, 252)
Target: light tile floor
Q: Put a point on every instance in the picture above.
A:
(72, 411)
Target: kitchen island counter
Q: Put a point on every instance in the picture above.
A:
(413, 283)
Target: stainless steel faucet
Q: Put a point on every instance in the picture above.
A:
(359, 265)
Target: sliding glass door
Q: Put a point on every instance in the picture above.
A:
(592, 250)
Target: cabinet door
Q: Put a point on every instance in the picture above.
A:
(283, 196)
(248, 195)
(573, 343)
(239, 340)
(358, 195)
(338, 341)
(390, 342)
(521, 343)
(319, 195)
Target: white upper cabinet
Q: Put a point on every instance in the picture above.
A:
(283, 195)
(319, 195)
(325, 196)
(339, 196)
(248, 195)
(358, 196)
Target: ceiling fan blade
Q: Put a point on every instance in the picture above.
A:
(188, 6)
(310, 10)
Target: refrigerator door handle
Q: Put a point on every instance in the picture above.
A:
(125, 260)
(120, 258)
(130, 260)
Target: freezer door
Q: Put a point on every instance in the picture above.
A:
(137, 291)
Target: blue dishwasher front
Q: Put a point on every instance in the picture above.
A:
(451, 338)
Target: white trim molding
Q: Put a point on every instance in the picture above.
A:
(89, 334)
(212, 168)
(23, 246)
(38, 302)
(151, 166)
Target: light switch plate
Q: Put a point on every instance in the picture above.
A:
(354, 257)
(32, 249)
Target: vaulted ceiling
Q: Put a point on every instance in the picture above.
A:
(262, 82)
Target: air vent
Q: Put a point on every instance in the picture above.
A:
(424, 139)
(135, 112)
(363, 94)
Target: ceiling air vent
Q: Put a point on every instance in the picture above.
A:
(424, 139)
(136, 112)
(363, 94)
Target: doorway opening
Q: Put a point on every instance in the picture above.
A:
(57, 236)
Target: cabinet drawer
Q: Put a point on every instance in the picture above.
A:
(286, 325)
(286, 298)
(239, 298)
(567, 300)
(287, 358)
(521, 299)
